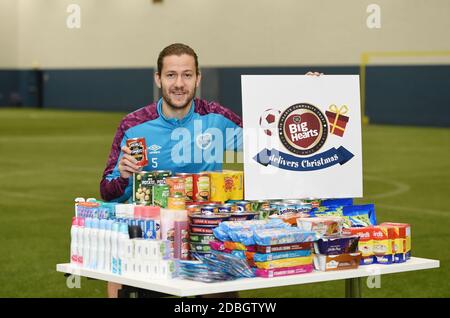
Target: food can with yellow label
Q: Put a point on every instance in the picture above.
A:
(176, 202)
(188, 187)
(219, 188)
(177, 186)
(237, 187)
(201, 183)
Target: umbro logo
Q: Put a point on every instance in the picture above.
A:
(154, 149)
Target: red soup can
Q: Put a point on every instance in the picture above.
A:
(201, 186)
(138, 149)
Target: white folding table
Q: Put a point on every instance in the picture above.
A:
(185, 288)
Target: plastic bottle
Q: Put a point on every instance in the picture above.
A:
(93, 240)
(80, 241)
(74, 241)
(108, 230)
(123, 239)
(87, 242)
(114, 241)
(101, 245)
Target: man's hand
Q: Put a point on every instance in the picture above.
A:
(127, 164)
(314, 73)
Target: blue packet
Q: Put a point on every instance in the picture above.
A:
(240, 254)
(257, 257)
(221, 235)
(361, 215)
(337, 202)
(244, 237)
(284, 236)
(230, 264)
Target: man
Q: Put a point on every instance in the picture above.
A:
(183, 133)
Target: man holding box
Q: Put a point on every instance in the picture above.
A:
(183, 133)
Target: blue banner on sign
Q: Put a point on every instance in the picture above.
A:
(286, 161)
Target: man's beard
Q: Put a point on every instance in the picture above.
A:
(169, 101)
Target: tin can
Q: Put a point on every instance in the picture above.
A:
(138, 150)
(177, 186)
(220, 188)
(201, 238)
(193, 209)
(264, 213)
(161, 175)
(209, 209)
(243, 206)
(237, 184)
(201, 184)
(227, 208)
(142, 187)
(160, 195)
(176, 202)
(258, 205)
(243, 216)
(301, 205)
(188, 185)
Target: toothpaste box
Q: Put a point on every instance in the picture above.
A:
(365, 244)
(402, 242)
(383, 244)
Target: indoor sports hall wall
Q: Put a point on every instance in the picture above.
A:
(107, 63)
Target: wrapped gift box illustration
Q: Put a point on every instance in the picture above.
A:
(337, 119)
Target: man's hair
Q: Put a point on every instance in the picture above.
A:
(176, 49)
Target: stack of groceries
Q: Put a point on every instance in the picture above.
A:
(198, 227)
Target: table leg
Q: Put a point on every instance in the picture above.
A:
(353, 288)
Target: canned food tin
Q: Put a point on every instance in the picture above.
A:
(176, 202)
(188, 185)
(201, 238)
(243, 206)
(243, 216)
(237, 187)
(209, 209)
(220, 188)
(227, 208)
(300, 205)
(193, 209)
(208, 219)
(142, 187)
(203, 229)
(258, 205)
(161, 175)
(197, 247)
(138, 150)
(177, 186)
(160, 195)
(201, 184)
(274, 204)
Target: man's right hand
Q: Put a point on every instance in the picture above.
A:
(127, 164)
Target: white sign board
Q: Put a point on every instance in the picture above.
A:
(302, 136)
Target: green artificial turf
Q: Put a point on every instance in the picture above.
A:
(49, 157)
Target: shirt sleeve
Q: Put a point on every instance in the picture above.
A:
(113, 187)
